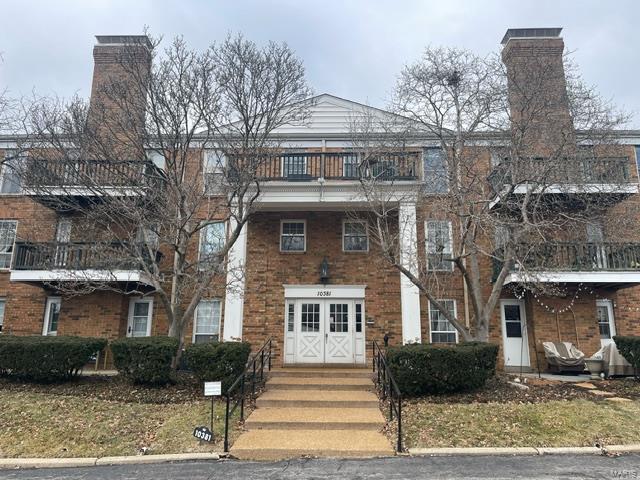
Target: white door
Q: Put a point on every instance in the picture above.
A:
(514, 333)
(339, 332)
(606, 322)
(140, 312)
(310, 332)
(51, 316)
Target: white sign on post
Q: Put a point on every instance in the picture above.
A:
(212, 389)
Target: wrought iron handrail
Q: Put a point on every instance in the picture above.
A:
(578, 171)
(388, 388)
(574, 256)
(80, 255)
(254, 373)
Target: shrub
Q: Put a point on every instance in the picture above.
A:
(46, 359)
(629, 348)
(428, 369)
(146, 359)
(218, 361)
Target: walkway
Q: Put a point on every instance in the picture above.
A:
(315, 412)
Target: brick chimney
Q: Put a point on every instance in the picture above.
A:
(122, 65)
(538, 90)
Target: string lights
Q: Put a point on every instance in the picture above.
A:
(520, 292)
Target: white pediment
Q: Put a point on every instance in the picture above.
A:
(329, 115)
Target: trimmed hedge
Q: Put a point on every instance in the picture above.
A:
(146, 359)
(218, 361)
(421, 369)
(46, 359)
(629, 348)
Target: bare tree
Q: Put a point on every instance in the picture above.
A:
(164, 171)
(509, 171)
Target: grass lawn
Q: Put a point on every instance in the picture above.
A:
(577, 422)
(35, 424)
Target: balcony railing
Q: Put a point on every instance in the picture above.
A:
(576, 171)
(79, 256)
(44, 174)
(339, 166)
(575, 257)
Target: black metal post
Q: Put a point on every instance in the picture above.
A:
(253, 379)
(226, 427)
(242, 398)
(261, 365)
(269, 354)
(212, 413)
(399, 424)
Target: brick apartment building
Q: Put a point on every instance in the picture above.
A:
(301, 223)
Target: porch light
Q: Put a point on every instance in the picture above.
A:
(324, 271)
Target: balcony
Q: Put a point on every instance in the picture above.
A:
(304, 167)
(49, 178)
(604, 263)
(77, 261)
(566, 176)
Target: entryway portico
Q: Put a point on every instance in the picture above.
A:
(324, 324)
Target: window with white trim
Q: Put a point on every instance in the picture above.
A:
(51, 316)
(215, 164)
(439, 242)
(206, 327)
(293, 236)
(157, 158)
(7, 240)
(212, 240)
(10, 173)
(354, 236)
(441, 330)
(436, 175)
(3, 303)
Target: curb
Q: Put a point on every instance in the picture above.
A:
(442, 452)
(17, 463)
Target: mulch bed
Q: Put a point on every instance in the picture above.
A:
(498, 389)
(114, 388)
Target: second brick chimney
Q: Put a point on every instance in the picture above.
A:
(537, 87)
(122, 64)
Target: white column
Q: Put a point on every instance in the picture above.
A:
(409, 293)
(234, 298)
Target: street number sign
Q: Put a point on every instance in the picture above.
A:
(212, 389)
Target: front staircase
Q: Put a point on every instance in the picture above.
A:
(320, 412)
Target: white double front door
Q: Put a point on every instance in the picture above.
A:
(324, 331)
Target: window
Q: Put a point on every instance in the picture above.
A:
(140, 313)
(214, 172)
(51, 316)
(310, 317)
(441, 329)
(207, 321)
(7, 239)
(339, 317)
(436, 178)
(294, 166)
(291, 308)
(9, 173)
(212, 240)
(351, 166)
(354, 236)
(3, 302)
(501, 236)
(439, 245)
(148, 235)
(157, 158)
(292, 236)
(358, 317)
(638, 159)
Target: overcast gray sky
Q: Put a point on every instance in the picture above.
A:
(351, 48)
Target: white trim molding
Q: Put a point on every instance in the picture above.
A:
(409, 293)
(574, 277)
(80, 275)
(324, 291)
(234, 299)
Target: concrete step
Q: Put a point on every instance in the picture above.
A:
(282, 444)
(308, 383)
(316, 419)
(320, 372)
(317, 399)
